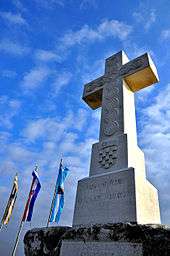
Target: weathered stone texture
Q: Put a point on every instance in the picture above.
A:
(122, 196)
(43, 241)
(154, 239)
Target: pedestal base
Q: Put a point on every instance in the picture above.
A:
(122, 196)
(100, 240)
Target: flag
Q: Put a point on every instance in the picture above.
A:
(11, 202)
(58, 199)
(35, 188)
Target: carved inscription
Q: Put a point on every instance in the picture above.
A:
(101, 193)
(108, 156)
(79, 248)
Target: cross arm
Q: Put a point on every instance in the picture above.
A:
(92, 94)
(140, 72)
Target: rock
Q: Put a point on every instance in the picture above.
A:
(155, 239)
(43, 241)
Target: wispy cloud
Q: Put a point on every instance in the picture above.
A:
(88, 3)
(7, 113)
(35, 77)
(15, 19)
(61, 80)
(13, 48)
(165, 34)
(108, 28)
(146, 16)
(50, 3)
(55, 129)
(46, 56)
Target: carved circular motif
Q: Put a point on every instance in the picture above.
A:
(111, 128)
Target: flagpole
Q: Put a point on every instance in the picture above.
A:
(17, 239)
(54, 196)
(1, 226)
(21, 225)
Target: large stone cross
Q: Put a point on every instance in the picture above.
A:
(114, 92)
(117, 189)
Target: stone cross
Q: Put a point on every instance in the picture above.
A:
(117, 189)
(114, 93)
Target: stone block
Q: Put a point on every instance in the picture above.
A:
(109, 156)
(114, 197)
(43, 241)
(113, 155)
(79, 248)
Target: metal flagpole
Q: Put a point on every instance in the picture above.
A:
(1, 226)
(17, 239)
(21, 224)
(54, 196)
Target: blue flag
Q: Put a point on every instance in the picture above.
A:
(58, 200)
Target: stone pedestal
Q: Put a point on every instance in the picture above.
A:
(123, 196)
(99, 240)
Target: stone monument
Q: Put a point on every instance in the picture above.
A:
(117, 189)
(117, 208)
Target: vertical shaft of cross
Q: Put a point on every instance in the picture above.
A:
(114, 116)
(112, 108)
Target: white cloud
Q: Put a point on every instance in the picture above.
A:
(9, 108)
(35, 77)
(44, 55)
(50, 3)
(143, 94)
(165, 34)
(53, 129)
(146, 16)
(108, 28)
(61, 80)
(13, 48)
(91, 72)
(88, 3)
(15, 19)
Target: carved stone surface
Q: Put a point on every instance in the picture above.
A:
(111, 110)
(109, 156)
(77, 248)
(43, 241)
(111, 198)
(134, 65)
(108, 198)
(154, 239)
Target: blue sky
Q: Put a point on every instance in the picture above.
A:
(49, 49)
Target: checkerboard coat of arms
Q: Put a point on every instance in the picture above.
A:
(108, 156)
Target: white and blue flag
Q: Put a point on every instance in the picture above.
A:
(58, 199)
